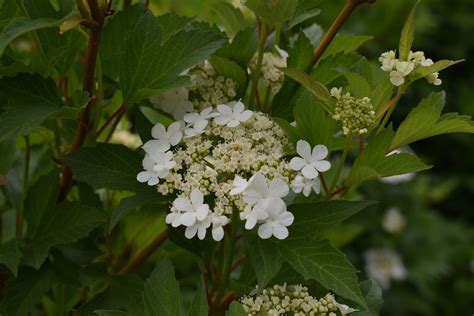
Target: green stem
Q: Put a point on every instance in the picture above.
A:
(227, 264)
(340, 166)
(26, 173)
(258, 67)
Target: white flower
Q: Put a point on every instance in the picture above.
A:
(151, 176)
(163, 161)
(383, 265)
(239, 185)
(189, 211)
(301, 184)
(336, 92)
(197, 122)
(344, 309)
(174, 102)
(393, 221)
(232, 114)
(433, 79)
(155, 147)
(396, 78)
(172, 135)
(277, 221)
(310, 162)
(218, 222)
(404, 67)
(199, 228)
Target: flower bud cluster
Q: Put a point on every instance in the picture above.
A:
(290, 300)
(399, 70)
(271, 75)
(355, 115)
(208, 88)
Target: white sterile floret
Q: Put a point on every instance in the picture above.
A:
(172, 135)
(174, 102)
(276, 222)
(310, 162)
(163, 162)
(302, 184)
(384, 265)
(149, 175)
(197, 122)
(232, 114)
(192, 213)
(239, 185)
(393, 220)
(218, 223)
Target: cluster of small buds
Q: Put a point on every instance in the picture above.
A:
(271, 75)
(355, 115)
(208, 88)
(294, 300)
(399, 70)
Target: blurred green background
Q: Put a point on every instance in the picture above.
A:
(436, 245)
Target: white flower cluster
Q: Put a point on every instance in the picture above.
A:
(399, 70)
(384, 265)
(208, 88)
(355, 115)
(206, 159)
(292, 300)
(270, 73)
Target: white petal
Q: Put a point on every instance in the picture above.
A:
(233, 123)
(319, 152)
(224, 109)
(202, 212)
(221, 120)
(188, 219)
(280, 231)
(304, 149)
(200, 125)
(218, 233)
(286, 219)
(322, 165)
(245, 115)
(170, 217)
(201, 232)
(278, 188)
(238, 107)
(297, 163)
(265, 231)
(309, 172)
(175, 138)
(251, 221)
(191, 117)
(158, 131)
(182, 204)
(153, 181)
(196, 198)
(190, 232)
(143, 176)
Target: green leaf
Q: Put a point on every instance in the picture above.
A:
(345, 43)
(231, 17)
(374, 163)
(312, 218)
(110, 313)
(107, 166)
(242, 48)
(313, 259)
(128, 204)
(373, 296)
(31, 99)
(232, 70)
(425, 120)
(40, 200)
(312, 122)
(8, 149)
(318, 89)
(328, 70)
(304, 11)
(10, 255)
(20, 25)
(273, 11)
(199, 304)
(66, 223)
(150, 64)
(421, 71)
(236, 309)
(27, 290)
(59, 49)
(161, 293)
(407, 35)
(358, 86)
(299, 57)
(114, 35)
